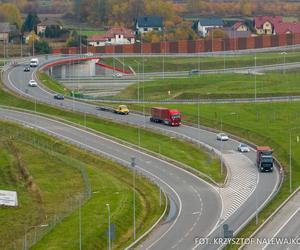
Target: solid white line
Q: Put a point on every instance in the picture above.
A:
(282, 226)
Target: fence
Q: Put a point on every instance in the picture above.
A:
(185, 46)
(32, 234)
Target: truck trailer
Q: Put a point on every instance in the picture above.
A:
(171, 117)
(264, 158)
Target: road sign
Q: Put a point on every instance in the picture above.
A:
(112, 232)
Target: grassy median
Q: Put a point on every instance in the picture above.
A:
(217, 86)
(183, 63)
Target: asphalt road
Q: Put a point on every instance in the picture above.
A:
(282, 230)
(198, 205)
(265, 183)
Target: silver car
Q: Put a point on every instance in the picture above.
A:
(222, 137)
(243, 148)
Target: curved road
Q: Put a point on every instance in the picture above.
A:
(247, 190)
(199, 218)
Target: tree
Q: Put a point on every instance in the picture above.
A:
(42, 47)
(246, 7)
(152, 37)
(74, 39)
(184, 31)
(216, 33)
(11, 14)
(161, 8)
(53, 31)
(30, 22)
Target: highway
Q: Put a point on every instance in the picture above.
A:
(200, 218)
(281, 229)
(245, 192)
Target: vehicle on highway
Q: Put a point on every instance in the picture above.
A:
(59, 97)
(32, 83)
(222, 137)
(121, 109)
(264, 158)
(243, 148)
(34, 62)
(117, 75)
(26, 68)
(167, 116)
(194, 72)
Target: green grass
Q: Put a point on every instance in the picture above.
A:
(91, 32)
(52, 84)
(217, 86)
(261, 123)
(48, 184)
(155, 64)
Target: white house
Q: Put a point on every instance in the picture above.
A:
(203, 25)
(114, 36)
(144, 24)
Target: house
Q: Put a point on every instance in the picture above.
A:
(287, 28)
(203, 25)
(113, 36)
(237, 30)
(41, 27)
(266, 24)
(275, 25)
(5, 31)
(239, 26)
(144, 24)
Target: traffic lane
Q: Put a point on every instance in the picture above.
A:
(207, 137)
(182, 181)
(288, 236)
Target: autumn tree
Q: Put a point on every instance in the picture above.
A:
(11, 14)
(184, 31)
(165, 9)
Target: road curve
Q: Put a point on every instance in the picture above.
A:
(255, 194)
(197, 212)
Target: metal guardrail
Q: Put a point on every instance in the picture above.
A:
(271, 216)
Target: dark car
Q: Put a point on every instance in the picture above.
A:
(195, 72)
(26, 69)
(59, 97)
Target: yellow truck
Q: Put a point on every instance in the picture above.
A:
(121, 109)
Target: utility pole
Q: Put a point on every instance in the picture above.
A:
(134, 214)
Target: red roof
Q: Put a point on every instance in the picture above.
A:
(111, 34)
(236, 25)
(284, 28)
(260, 20)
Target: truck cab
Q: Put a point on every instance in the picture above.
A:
(174, 118)
(264, 158)
(122, 109)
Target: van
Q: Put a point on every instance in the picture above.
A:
(34, 62)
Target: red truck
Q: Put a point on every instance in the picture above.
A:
(167, 116)
(264, 158)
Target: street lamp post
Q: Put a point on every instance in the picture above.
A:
(255, 78)
(138, 98)
(134, 214)
(284, 54)
(290, 157)
(109, 236)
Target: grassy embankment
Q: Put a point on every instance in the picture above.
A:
(217, 86)
(45, 173)
(155, 64)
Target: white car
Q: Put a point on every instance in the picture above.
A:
(222, 137)
(32, 83)
(243, 148)
(117, 75)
